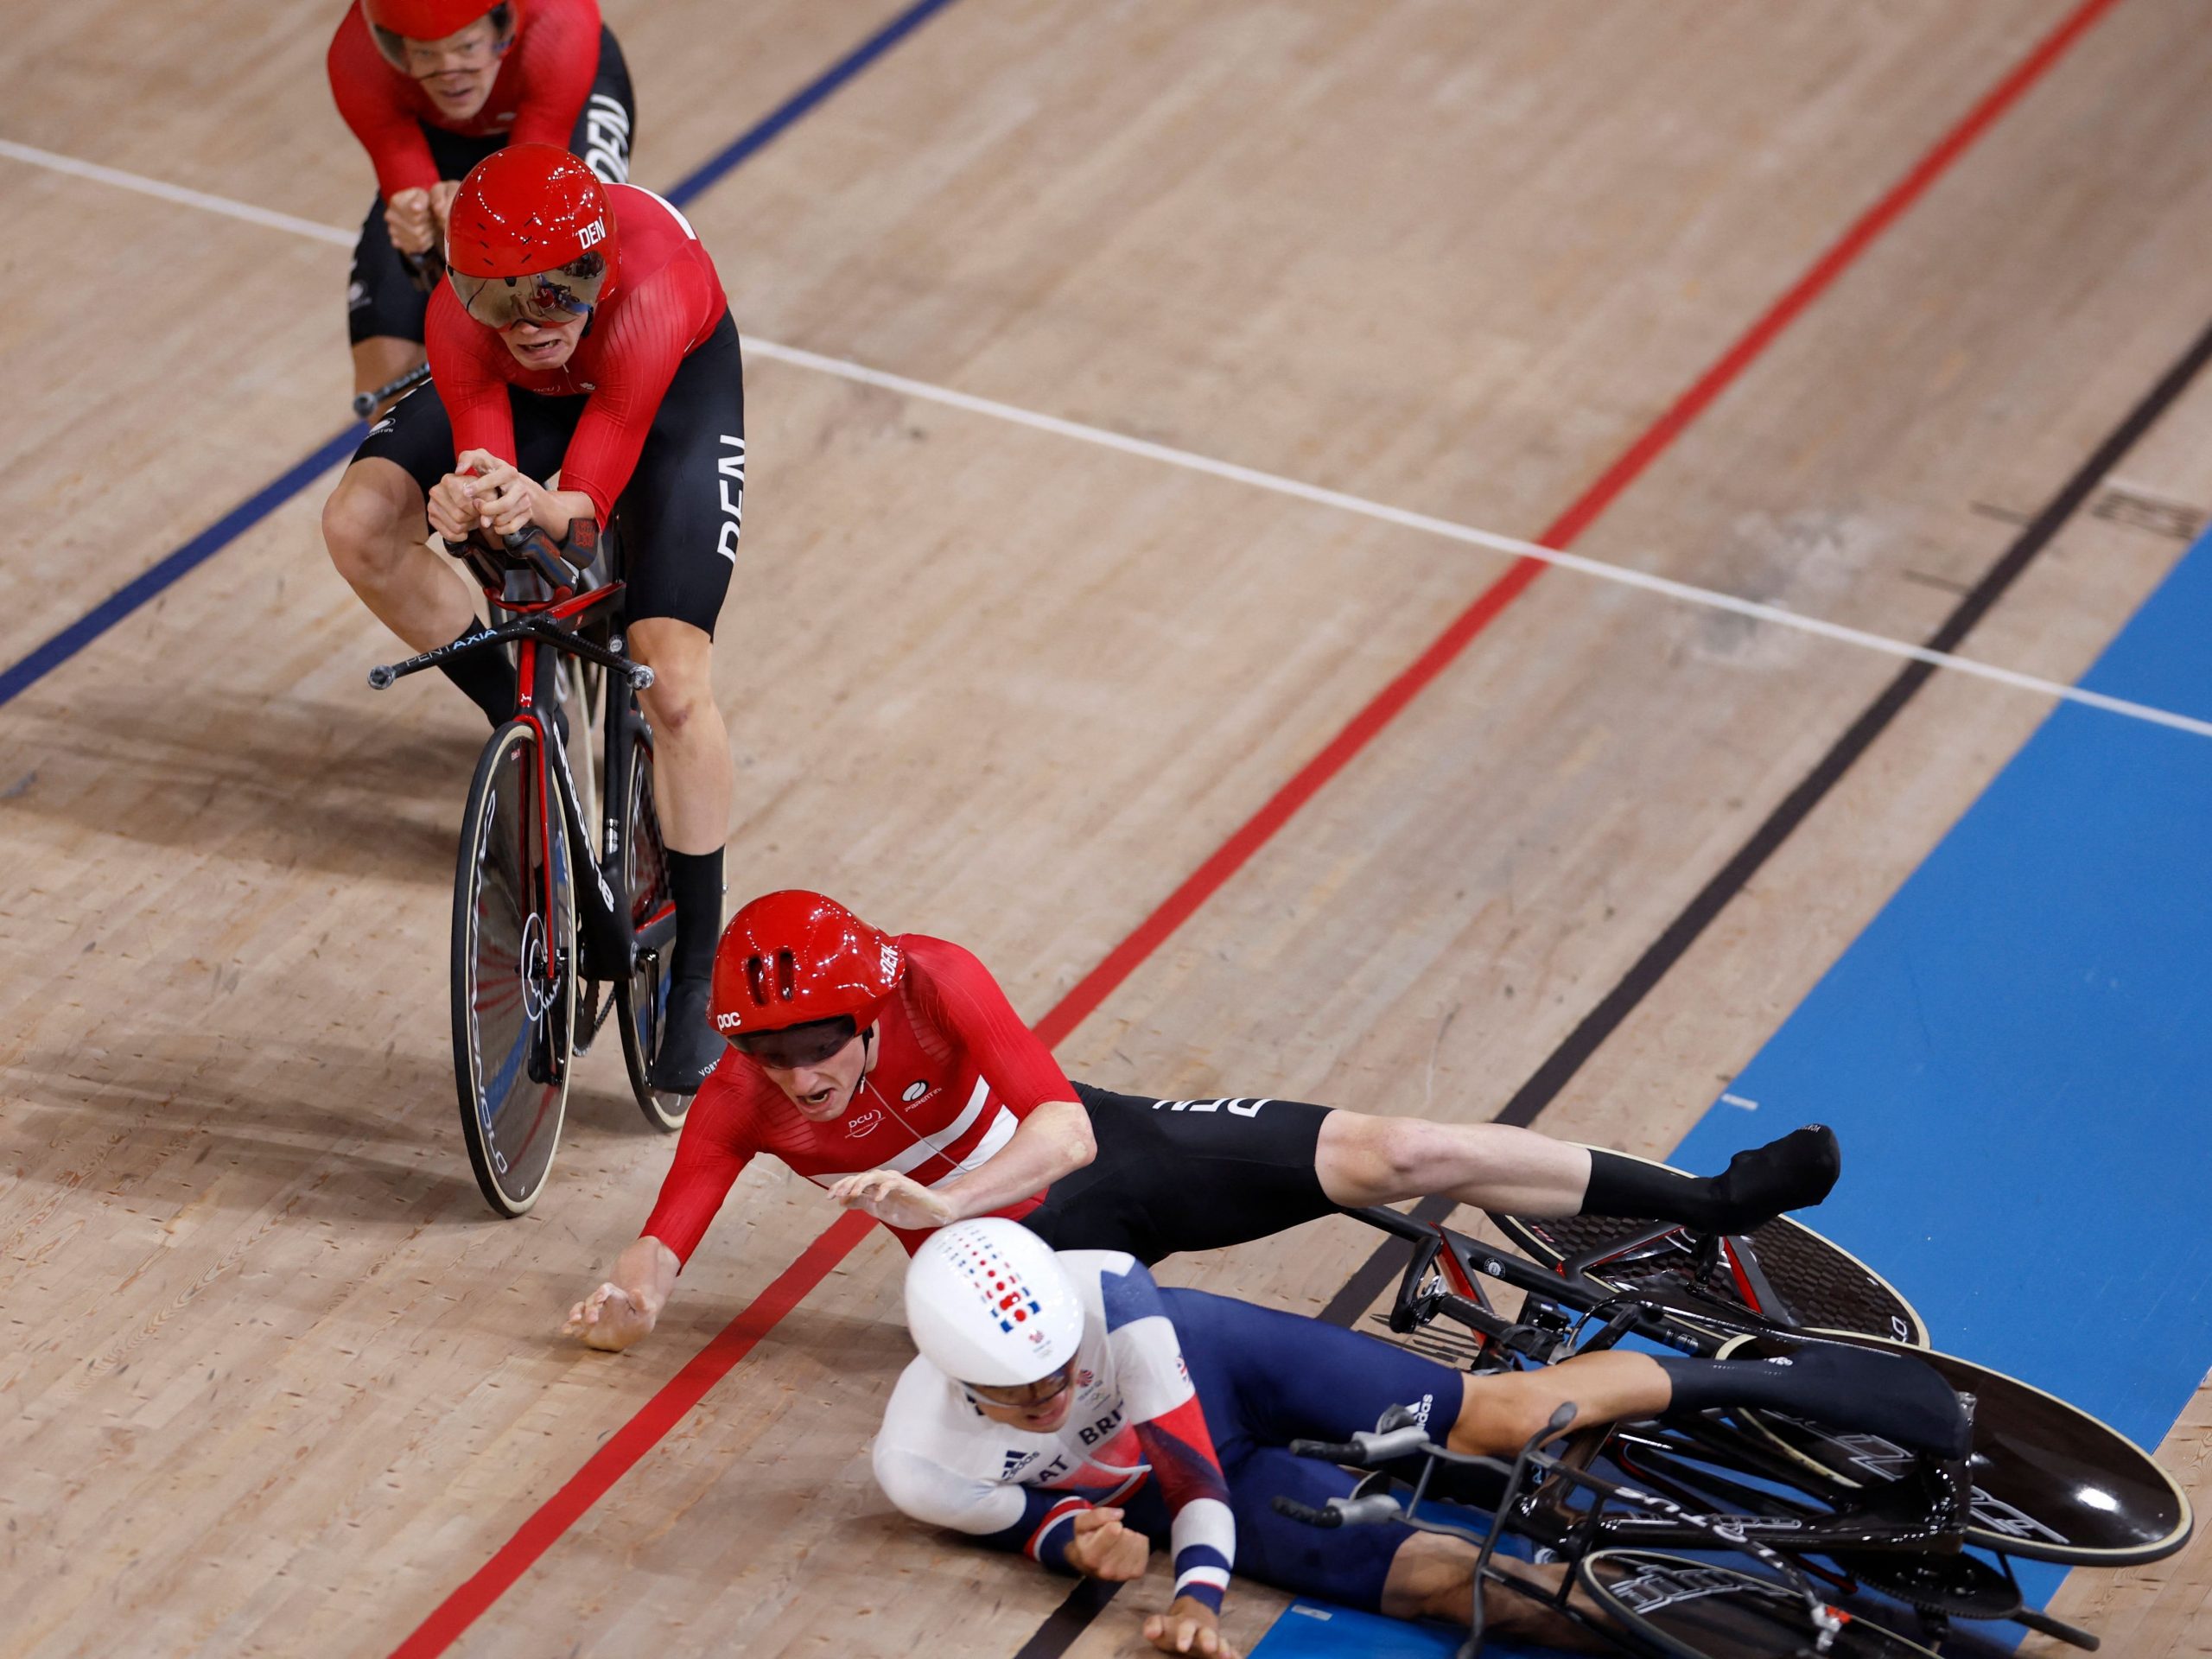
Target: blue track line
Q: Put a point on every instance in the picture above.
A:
(40, 660)
(766, 130)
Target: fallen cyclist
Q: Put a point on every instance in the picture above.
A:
(892, 1070)
(1065, 1405)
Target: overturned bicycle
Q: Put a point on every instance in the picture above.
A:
(1740, 1533)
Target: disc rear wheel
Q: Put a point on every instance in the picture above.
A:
(2050, 1482)
(514, 986)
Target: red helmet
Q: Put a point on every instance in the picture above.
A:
(392, 23)
(531, 236)
(793, 958)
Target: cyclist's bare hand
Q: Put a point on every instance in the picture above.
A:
(1101, 1548)
(1188, 1627)
(410, 221)
(506, 501)
(894, 1199)
(608, 1319)
(453, 506)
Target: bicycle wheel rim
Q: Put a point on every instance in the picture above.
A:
(513, 979)
(1689, 1609)
(643, 994)
(1826, 1286)
(2051, 1483)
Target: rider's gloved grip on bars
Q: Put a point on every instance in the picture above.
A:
(1757, 1186)
(1856, 1389)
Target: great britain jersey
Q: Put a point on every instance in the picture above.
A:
(956, 1071)
(1136, 1417)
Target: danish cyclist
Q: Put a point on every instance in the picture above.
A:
(580, 329)
(893, 1071)
(1066, 1407)
(431, 87)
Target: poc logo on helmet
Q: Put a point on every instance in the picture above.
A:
(728, 1022)
(592, 234)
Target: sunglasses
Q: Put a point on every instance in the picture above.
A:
(1029, 1395)
(795, 1046)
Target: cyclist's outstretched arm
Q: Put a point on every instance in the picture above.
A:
(719, 1140)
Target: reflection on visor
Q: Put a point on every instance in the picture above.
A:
(546, 296)
(796, 1046)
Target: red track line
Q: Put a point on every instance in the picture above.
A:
(644, 1431)
(633, 1439)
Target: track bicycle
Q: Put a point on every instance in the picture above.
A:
(1835, 1518)
(1688, 1290)
(540, 958)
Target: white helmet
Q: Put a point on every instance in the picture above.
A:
(988, 1302)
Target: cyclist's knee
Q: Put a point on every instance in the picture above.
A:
(1497, 1414)
(363, 528)
(682, 696)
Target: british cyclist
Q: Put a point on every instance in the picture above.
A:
(580, 329)
(1066, 1407)
(431, 87)
(893, 1071)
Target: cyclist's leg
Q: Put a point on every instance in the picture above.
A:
(1369, 1160)
(680, 517)
(377, 537)
(606, 128)
(383, 308)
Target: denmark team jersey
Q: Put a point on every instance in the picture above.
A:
(955, 1072)
(540, 90)
(1136, 1416)
(663, 302)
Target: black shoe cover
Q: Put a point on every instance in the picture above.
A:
(689, 1046)
(1792, 1173)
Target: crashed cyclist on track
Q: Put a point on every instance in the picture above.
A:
(892, 1070)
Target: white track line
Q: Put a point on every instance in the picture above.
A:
(1274, 483)
(1467, 533)
(177, 192)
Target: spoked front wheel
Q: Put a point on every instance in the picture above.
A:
(642, 997)
(1676, 1608)
(514, 983)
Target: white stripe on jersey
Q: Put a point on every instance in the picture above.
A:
(927, 1147)
(1000, 1132)
(676, 210)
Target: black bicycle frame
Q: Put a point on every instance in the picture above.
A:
(1559, 1298)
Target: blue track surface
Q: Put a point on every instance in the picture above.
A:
(2015, 1053)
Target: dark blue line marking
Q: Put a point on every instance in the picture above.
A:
(770, 127)
(62, 646)
(43, 660)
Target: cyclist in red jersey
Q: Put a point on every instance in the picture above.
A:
(431, 87)
(893, 1071)
(582, 329)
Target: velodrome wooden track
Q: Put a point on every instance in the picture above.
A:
(274, 1380)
